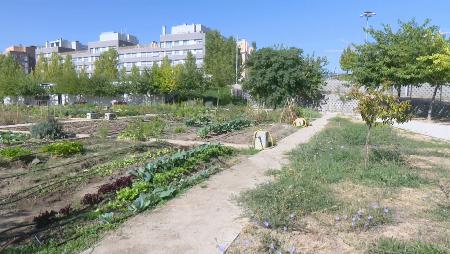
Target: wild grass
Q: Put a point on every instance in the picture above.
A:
(390, 245)
(333, 156)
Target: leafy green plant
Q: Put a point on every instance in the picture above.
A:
(180, 129)
(9, 138)
(14, 153)
(141, 131)
(64, 148)
(183, 158)
(379, 108)
(220, 128)
(198, 121)
(50, 129)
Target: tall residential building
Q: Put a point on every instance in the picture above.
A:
(175, 45)
(58, 46)
(25, 56)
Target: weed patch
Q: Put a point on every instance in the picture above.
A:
(389, 245)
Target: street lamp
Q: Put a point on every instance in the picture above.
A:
(367, 15)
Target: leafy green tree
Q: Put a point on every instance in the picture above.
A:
(400, 58)
(84, 83)
(436, 70)
(12, 76)
(348, 59)
(148, 81)
(378, 107)
(41, 69)
(68, 82)
(167, 77)
(220, 59)
(55, 69)
(155, 77)
(277, 75)
(191, 78)
(137, 81)
(106, 65)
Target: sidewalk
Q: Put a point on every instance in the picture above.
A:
(203, 218)
(432, 129)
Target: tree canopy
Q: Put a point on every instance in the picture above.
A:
(220, 59)
(277, 74)
(400, 58)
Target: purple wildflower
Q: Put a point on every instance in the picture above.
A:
(266, 224)
(221, 248)
(292, 250)
(337, 218)
(386, 210)
(370, 218)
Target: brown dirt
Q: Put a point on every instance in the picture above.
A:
(277, 130)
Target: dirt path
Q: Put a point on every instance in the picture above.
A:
(204, 219)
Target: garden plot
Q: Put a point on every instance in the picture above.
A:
(66, 202)
(29, 187)
(326, 202)
(244, 137)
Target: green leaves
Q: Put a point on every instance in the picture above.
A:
(220, 128)
(64, 148)
(380, 105)
(14, 153)
(278, 74)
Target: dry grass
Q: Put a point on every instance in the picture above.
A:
(413, 210)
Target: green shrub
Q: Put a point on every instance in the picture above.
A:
(64, 148)
(220, 128)
(50, 129)
(14, 153)
(390, 245)
(198, 121)
(307, 113)
(141, 131)
(180, 129)
(8, 138)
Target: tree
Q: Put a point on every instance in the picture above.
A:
(378, 107)
(392, 59)
(68, 82)
(55, 69)
(220, 59)
(106, 65)
(167, 77)
(41, 69)
(436, 70)
(190, 78)
(12, 76)
(137, 82)
(276, 75)
(347, 59)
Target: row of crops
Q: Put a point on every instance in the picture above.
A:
(79, 223)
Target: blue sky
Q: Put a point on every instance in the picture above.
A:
(322, 27)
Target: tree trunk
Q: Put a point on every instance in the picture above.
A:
(399, 91)
(433, 98)
(366, 155)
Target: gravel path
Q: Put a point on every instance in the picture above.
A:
(433, 129)
(204, 219)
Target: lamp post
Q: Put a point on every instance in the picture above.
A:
(367, 15)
